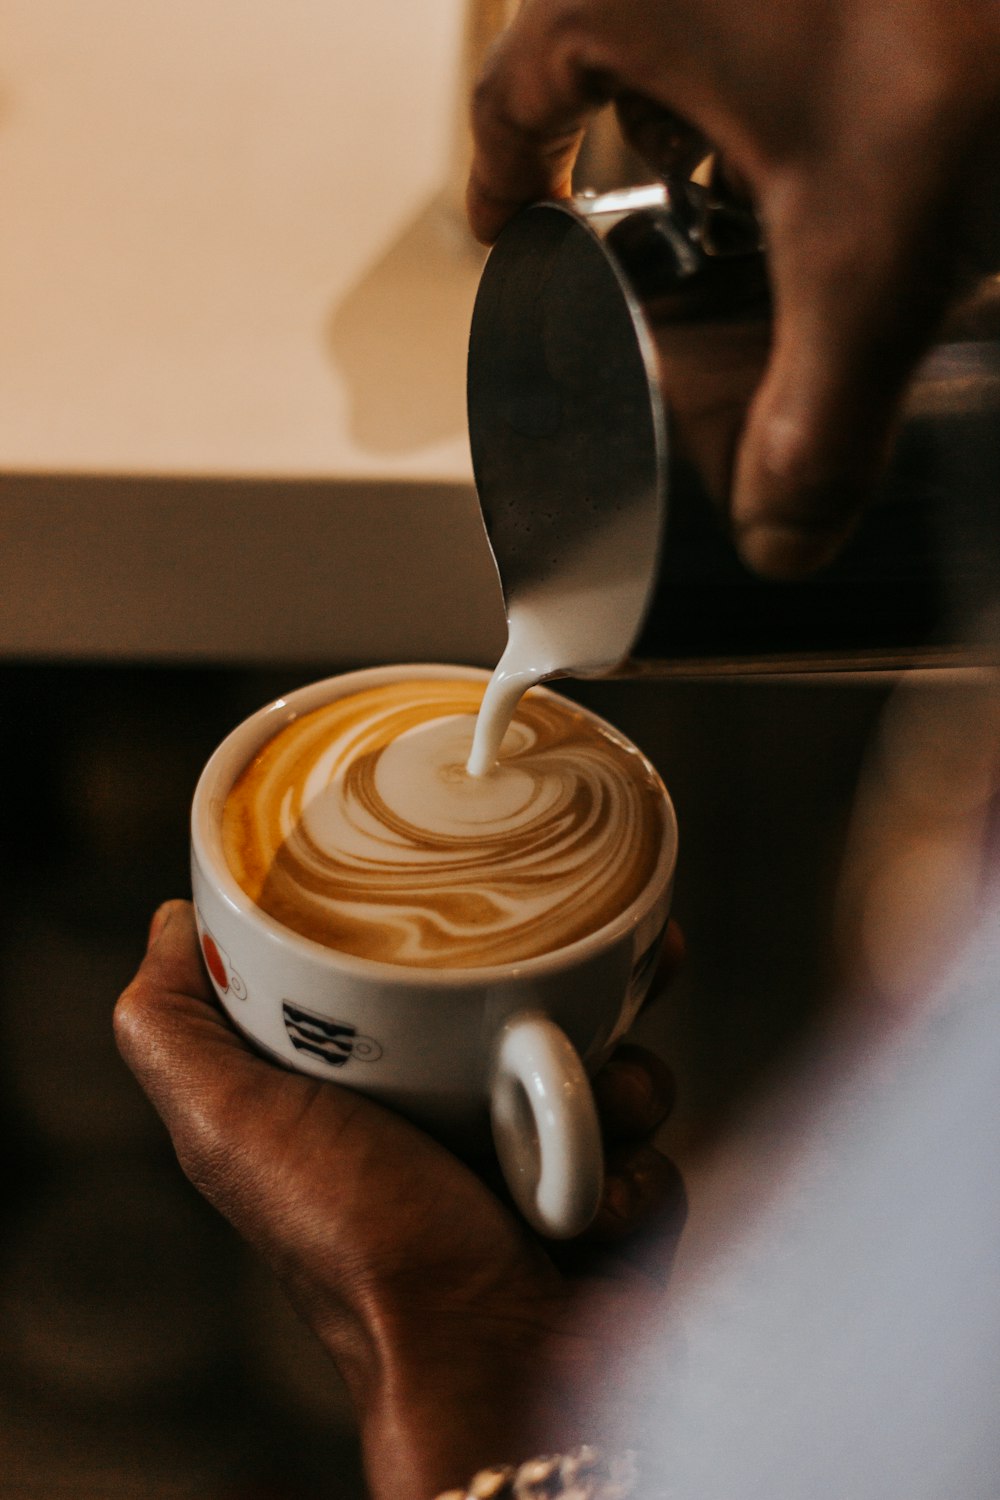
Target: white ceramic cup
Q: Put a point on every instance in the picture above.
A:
(452, 1049)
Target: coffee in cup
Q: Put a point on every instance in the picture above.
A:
(463, 949)
(358, 826)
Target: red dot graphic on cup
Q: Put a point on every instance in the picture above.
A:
(214, 960)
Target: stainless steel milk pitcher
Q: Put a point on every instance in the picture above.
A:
(615, 345)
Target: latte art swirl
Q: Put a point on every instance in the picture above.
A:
(358, 826)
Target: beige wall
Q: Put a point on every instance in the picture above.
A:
(229, 255)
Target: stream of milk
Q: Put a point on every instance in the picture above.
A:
(580, 624)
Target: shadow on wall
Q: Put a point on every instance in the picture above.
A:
(400, 336)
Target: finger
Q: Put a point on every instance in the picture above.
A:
(857, 301)
(642, 1211)
(634, 1093)
(167, 1026)
(672, 956)
(529, 110)
(668, 144)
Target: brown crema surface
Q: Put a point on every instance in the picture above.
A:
(358, 826)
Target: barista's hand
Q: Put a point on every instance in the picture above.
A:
(868, 135)
(463, 1340)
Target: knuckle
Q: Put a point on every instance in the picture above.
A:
(206, 1159)
(534, 63)
(129, 1021)
(215, 1159)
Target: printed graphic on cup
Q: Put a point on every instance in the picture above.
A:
(332, 1041)
(219, 966)
(452, 945)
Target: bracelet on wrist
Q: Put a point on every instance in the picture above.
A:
(583, 1474)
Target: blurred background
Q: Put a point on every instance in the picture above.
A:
(143, 1351)
(234, 298)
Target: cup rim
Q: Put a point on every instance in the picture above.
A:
(235, 751)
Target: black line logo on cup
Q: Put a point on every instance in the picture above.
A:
(334, 1042)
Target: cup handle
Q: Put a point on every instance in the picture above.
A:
(545, 1127)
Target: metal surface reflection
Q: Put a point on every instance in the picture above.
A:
(616, 344)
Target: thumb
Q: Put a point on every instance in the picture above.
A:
(856, 304)
(267, 1147)
(170, 1031)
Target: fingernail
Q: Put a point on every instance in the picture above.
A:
(617, 1198)
(161, 918)
(787, 552)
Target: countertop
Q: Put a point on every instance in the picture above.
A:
(235, 288)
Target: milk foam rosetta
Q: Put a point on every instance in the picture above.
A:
(359, 826)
